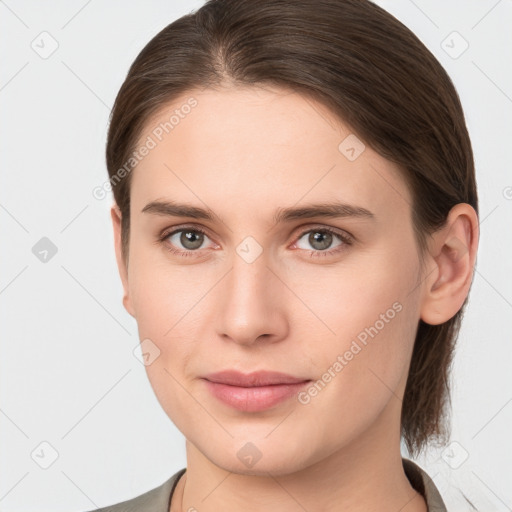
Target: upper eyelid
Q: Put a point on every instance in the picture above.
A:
(339, 232)
(176, 229)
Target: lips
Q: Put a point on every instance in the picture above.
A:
(255, 391)
(254, 379)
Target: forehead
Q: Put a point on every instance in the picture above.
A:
(252, 149)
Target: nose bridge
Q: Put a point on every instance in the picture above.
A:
(249, 298)
(249, 283)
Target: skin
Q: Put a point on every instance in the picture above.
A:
(244, 152)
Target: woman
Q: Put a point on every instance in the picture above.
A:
(296, 228)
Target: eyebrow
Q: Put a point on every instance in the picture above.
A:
(328, 210)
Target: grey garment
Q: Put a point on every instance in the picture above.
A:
(155, 500)
(159, 498)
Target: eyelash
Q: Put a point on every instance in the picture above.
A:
(347, 241)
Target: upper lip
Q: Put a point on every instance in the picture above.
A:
(259, 378)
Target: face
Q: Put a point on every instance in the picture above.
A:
(267, 283)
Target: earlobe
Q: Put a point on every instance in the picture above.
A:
(452, 260)
(115, 214)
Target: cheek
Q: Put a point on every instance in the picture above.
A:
(369, 319)
(360, 371)
(355, 294)
(163, 303)
(167, 373)
(162, 293)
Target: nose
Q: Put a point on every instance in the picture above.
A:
(251, 304)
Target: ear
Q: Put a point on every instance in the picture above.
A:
(115, 213)
(450, 265)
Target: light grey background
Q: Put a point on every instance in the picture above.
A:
(69, 376)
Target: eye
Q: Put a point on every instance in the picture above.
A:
(189, 238)
(188, 241)
(321, 239)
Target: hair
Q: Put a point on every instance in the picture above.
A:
(375, 75)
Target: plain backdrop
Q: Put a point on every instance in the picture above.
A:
(80, 426)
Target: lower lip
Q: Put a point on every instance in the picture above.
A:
(256, 398)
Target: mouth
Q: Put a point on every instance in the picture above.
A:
(253, 392)
(254, 379)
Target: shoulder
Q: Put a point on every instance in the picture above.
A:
(155, 500)
(422, 483)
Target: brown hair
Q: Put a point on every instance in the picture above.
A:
(368, 69)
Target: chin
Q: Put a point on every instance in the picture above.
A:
(259, 458)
